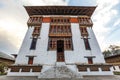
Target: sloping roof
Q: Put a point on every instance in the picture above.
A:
(60, 10)
(6, 56)
(115, 54)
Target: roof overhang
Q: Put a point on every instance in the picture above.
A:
(60, 10)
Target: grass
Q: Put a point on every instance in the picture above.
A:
(3, 74)
(116, 73)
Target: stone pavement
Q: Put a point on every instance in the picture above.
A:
(115, 77)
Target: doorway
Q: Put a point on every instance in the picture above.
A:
(60, 51)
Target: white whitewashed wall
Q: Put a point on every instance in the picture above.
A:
(43, 56)
(24, 50)
(48, 58)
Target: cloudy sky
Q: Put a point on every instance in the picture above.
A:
(13, 19)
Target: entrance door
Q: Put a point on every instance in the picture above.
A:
(60, 51)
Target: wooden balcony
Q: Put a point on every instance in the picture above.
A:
(34, 21)
(60, 35)
(86, 24)
(35, 34)
(25, 68)
(59, 23)
(94, 67)
(84, 34)
(85, 21)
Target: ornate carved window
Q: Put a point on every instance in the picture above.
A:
(83, 31)
(60, 29)
(34, 19)
(85, 20)
(52, 44)
(60, 20)
(35, 34)
(36, 31)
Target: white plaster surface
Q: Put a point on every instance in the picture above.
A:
(48, 58)
(116, 68)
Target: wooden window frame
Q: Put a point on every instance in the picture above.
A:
(30, 60)
(60, 29)
(52, 43)
(35, 19)
(60, 20)
(83, 30)
(33, 44)
(87, 45)
(36, 31)
(90, 60)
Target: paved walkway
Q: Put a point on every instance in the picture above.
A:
(116, 77)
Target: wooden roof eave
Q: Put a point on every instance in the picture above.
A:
(63, 10)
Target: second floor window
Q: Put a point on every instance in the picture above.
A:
(36, 31)
(33, 44)
(52, 44)
(64, 29)
(83, 31)
(87, 45)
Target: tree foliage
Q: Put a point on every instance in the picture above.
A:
(112, 50)
(106, 52)
(2, 67)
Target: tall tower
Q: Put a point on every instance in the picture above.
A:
(60, 43)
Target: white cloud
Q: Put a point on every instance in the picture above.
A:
(117, 22)
(13, 18)
(12, 25)
(13, 21)
(102, 17)
(43, 2)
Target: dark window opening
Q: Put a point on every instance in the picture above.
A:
(60, 51)
(60, 46)
(87, 45)
(33, 44)
(90, 61)
(30, 60)
(114, 67)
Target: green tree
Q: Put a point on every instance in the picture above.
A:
(112, 50)
(106, 53)
(2, 67)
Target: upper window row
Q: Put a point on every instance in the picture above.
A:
(35, 19)
(60, 29)
(84, 20)
(60, 20)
